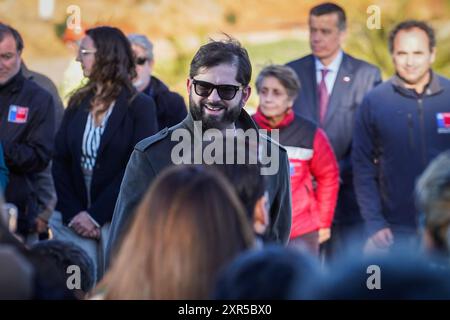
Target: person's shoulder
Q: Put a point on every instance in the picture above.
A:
(298, 63)
(360, 64)
(141, 104)
(444, 82)
(272, 142)
(147, 143)
(381, 90)
(141, 99)
(31, 87)
(301, 121)
(43, 81)
(37, 96)
(175, 96)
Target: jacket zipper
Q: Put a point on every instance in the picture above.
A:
(422, 132)
(410, 131)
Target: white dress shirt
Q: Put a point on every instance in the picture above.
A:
(333, 68)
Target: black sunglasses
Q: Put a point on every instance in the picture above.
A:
(140, 60)
(225, 91)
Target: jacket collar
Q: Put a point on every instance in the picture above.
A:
(26, 72)
(433, 87)
(14, 84)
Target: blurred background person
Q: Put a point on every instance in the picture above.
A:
(102, 124)
(43, 181)
(333, 84)
(27, 131)
(170, 106)
(313, 167)
(187, 227)
(400, 127)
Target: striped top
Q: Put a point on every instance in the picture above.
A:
(91, 140)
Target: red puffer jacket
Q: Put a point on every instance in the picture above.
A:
(314, 172)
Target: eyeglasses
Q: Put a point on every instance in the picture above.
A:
(225, 91)
(140, 60)
(87, 51)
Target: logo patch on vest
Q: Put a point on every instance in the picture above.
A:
(443, 122)
(17, 114)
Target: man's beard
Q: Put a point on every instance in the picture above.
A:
(225, 120)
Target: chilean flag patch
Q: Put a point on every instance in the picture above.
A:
(443, 122)
(17, 114)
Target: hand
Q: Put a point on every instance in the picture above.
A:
(41, 225)
(324, 235)
(383, 238)
(84, 226)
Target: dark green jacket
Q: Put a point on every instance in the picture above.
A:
(153, 154)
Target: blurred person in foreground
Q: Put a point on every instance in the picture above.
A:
(433, 199)
(189, 224)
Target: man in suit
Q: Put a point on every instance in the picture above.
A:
(333, 84)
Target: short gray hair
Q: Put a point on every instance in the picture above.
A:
(286, 75)
(143, 42)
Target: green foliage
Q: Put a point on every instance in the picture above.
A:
(59, 29)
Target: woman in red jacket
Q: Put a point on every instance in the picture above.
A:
(314, 169)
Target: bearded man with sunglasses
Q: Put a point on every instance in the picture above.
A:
(218, 87)
(170, 106)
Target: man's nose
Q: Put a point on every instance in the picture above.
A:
(316, 37)
(214, 96)
(410, 60)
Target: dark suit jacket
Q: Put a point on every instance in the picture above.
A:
(355, 78)
(127, 125)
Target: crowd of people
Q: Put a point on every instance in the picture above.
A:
(127, 193)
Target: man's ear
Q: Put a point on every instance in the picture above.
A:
(433, 55)
(188, 85)
(261, 216)
(246, 92)
(342, 37)
(151, 64)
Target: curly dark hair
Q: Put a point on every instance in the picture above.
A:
(113, 70)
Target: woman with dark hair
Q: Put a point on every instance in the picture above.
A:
(102, 124)
(188, 226)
